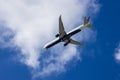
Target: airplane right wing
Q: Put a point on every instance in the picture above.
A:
(61, 27)
(76, 43)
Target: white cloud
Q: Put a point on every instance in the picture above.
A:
(34, 22)
(117, 54)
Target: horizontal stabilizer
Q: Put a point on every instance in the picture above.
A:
(90, 26)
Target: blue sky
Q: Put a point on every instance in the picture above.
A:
(98, 61)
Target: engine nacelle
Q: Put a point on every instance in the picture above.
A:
(65, 44)
(57, 35)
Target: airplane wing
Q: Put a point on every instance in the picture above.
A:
(61, 27)
(76, 43)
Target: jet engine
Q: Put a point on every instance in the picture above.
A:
(65, 44)
(57, 35)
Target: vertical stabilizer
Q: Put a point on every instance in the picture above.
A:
(86, 20)
(87, 23)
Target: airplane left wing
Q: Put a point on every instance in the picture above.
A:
(76, 43)
(61, 27)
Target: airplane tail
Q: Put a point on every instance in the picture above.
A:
(86, 21)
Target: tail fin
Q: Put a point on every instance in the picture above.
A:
(86, 20)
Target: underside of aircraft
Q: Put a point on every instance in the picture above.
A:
(66, 37)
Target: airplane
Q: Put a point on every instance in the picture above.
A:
(65, 37)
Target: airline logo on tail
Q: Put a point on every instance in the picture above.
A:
(86, 20)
